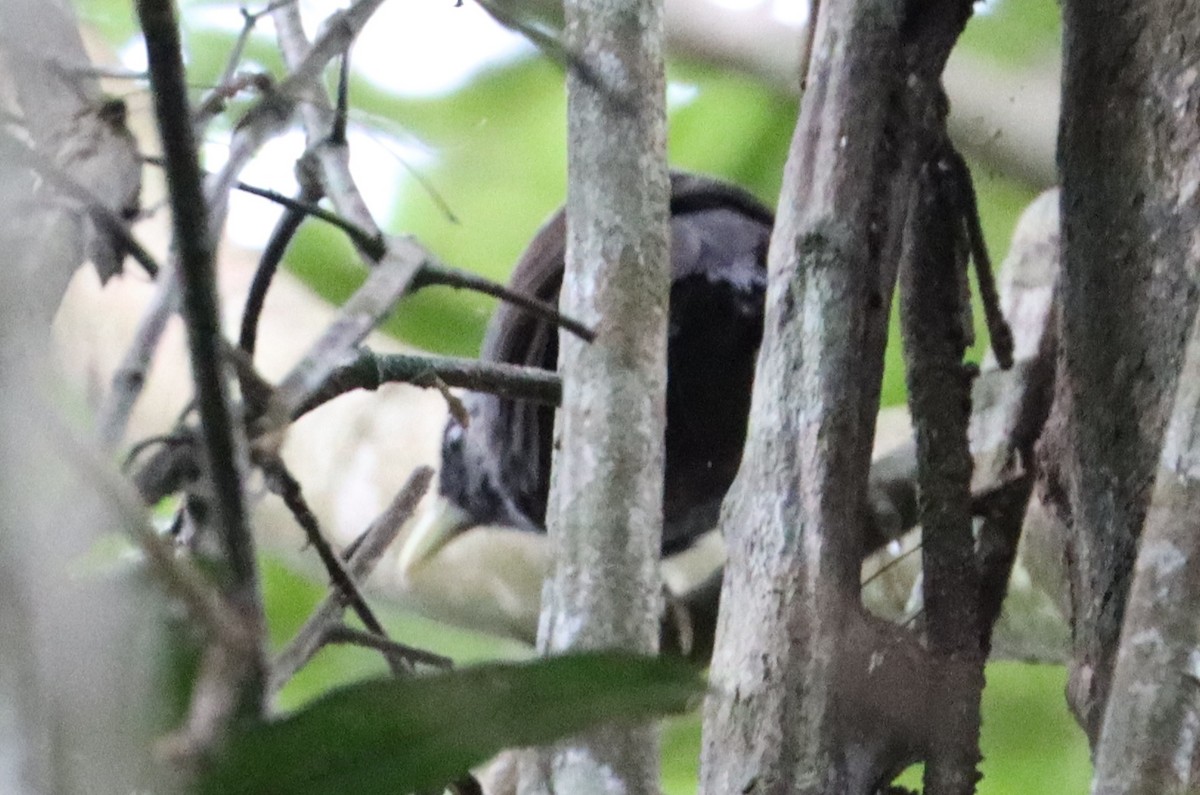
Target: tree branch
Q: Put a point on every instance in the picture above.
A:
(794, 516)
(370, 370)
(604, 512)
(195, 244)
(364, 555)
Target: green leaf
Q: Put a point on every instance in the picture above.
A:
(397, 736)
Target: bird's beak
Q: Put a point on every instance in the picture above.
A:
(434, 527)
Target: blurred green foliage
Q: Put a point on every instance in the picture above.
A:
(498, 165)
(390, 735)
(1015, 33)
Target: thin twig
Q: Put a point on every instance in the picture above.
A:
(370, 370)
(372, 245)
(378, 537)
(281, 481)
(337, 133)
(433, 273)
(281, 237)
(998, 330)
(130, 375)
(195, 245)
(391, 648)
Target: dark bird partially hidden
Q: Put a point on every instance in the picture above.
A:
(496, 471)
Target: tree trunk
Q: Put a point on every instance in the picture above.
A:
(605, 508)
(1131, 261)
(792, 519)
(1149, 741)
(810, 693)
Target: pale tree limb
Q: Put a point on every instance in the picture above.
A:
(1151, 735)
(793, 520)
(605, 507)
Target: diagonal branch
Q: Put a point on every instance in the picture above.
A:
(363, 558)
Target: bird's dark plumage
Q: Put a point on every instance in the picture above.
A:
(497, 470)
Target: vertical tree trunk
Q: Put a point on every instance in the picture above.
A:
(810, 694)
(792, 520)
(605, 507)
(1131, 261)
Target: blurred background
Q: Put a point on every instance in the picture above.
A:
(458, 137)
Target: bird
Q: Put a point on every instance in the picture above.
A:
(495, 469)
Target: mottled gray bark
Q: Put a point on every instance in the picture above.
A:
(1131, 277)
(811, 694)
(1149, 741)
(605, 509)
(793, 519)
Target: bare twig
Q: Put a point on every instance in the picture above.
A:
(370, 370)
(281, 481)
(434, 273)
(373, 245)
(281, 236)
(391, 648)
(130, 375)
(366, 554)
(999, 333)
(337, 133)
(194, 242)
